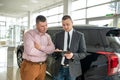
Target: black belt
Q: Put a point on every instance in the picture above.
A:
(43, 62)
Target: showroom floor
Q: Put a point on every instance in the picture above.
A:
(8, 64)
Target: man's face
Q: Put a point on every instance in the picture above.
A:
(42, 26)
(67, 25)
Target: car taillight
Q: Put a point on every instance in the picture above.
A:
(112, 62)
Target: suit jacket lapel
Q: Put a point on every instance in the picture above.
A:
(72, 40)
(62, 40)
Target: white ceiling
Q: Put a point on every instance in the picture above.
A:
(17, 8)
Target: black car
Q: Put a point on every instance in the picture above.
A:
(103, 48)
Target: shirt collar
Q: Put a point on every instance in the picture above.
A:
(41, 34)
(70, 32)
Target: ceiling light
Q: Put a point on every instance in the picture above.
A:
(34, 1)
(1, 4)
(24, 6)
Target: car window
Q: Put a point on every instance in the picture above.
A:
(53, 31)
(93, 39)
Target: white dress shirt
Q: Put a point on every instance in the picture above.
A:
(65, 43)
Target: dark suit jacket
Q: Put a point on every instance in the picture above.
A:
(77, 47)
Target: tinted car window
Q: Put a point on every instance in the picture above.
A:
(53, 31)
(93, 39)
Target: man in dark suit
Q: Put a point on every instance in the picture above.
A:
(70, 49)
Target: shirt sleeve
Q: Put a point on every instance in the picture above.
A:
(50, 47)
(29, 45)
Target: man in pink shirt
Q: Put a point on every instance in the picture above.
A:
(37, 46)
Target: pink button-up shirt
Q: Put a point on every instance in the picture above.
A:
(45, 42)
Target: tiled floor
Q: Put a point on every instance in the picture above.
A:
(8, 65)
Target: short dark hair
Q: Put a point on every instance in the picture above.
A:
(66, 17)
(40, 18)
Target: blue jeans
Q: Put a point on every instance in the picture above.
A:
(64, 74)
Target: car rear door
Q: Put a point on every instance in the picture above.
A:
(113, 37)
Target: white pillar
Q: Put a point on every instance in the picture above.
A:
(67, 7)
(115, 21)
(29, 20)
(10, 56)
